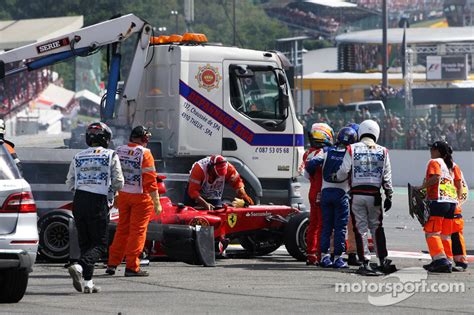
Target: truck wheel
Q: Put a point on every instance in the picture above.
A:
(54, 236)
(261, 244)
(13, 285)
(252, 193)
(295, 235)
(229, 194)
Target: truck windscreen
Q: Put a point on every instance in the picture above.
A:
(255, 92)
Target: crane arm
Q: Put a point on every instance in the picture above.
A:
(83, 42)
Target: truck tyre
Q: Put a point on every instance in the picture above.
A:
(229, 194)
(249, 190)
(261, 244)
(295, 235)
(13, 285)
(54, 236)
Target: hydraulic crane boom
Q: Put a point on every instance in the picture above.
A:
(84, 42)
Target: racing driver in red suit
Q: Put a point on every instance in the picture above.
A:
(320, 136)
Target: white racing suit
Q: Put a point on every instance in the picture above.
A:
(369, 167)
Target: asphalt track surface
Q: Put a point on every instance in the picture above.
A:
(272, 284)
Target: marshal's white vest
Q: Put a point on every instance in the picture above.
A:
(213, 190)
(368, 164)
(131, 159)
(446, 189)
(92, 170)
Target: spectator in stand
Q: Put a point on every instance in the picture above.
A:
(412, 136)
(463, 138)
(451, 137)
(397, 132)
(358, 118)
(366, 113)
(402, 134)
(324, 118)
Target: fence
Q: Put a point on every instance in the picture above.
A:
(409, 129)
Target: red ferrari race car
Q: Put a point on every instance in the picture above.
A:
(259, 229)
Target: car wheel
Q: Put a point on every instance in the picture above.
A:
(295, 235)
(13, 285)
(54, 236)
(261, 244)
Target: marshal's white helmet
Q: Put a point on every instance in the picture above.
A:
(369, 127)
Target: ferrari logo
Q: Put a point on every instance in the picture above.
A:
(232, 220)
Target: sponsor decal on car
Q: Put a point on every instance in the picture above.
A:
(199, 221)
(208, 77)
(232, 219)
(257, 214)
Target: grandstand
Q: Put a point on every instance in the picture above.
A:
(459, 12)
(327, 18)
(19, 90)
(322, 18)
(361, 51)
(421, 110)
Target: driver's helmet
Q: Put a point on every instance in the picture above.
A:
(98, 134)
(322, 134)
(346, 136)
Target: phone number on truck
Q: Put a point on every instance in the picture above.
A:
(272, 150)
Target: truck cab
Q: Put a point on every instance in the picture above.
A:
(201, 100)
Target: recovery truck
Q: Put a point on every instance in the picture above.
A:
(198, 99)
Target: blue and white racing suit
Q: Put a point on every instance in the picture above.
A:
(334, 201)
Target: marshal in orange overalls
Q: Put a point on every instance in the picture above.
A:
(135, 205)
(442, 198)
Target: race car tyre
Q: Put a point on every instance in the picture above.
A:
(13, 285)
(54, 236)
(261, 244)
(295, 235)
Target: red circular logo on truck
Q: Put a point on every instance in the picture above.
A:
(208, 77)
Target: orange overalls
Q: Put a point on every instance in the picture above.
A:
(442, 197)
(10, 148)
(457, 237)
(135, 205)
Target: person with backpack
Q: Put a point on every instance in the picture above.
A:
(334, 199)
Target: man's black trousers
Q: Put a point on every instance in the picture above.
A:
(91, 217)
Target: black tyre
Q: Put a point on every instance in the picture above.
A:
(54, 236)
(295, 235)
(13, 285)
(261, 244)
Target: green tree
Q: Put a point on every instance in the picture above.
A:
(254, 29)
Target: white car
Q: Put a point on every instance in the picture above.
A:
(18, 230)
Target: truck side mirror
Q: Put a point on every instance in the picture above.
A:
(285, 99)
(281, 79)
